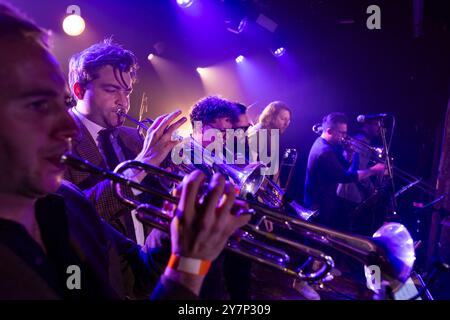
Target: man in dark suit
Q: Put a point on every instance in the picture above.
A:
(327, 167)
(101, 79)
(52, 242)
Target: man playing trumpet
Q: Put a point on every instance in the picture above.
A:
(49, 231)
(101, 79)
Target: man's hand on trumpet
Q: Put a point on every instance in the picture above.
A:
(201, 227)
(158, 141)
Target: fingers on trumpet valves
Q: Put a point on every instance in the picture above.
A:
(215, 200)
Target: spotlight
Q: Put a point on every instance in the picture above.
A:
(266, 23)
(236, 27)
(279, 52)
(150, 56)
(200, 70)
(73, 24)
(185, 3)
(240, 59)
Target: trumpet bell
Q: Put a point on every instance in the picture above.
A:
(248, 180)
(399, 256)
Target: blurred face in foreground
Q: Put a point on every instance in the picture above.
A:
(35, 126)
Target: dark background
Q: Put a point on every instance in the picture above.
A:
(333, 63)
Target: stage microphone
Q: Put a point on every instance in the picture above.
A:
(364, 117)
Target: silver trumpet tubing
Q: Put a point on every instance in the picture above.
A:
(391, 249)
(143, 124)
(248, 180)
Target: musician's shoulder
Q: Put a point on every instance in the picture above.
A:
(68, 188)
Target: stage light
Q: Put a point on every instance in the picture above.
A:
(279, 52)
(150, 56)
(185, 3)
(73, 24)
(236, 26)
(200, 70)
(266, 23)
(239, 59)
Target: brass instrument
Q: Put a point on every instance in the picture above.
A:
(289, 160)
(144, 106)
(141, 124)
(377, 155)
(248, 180)
(142, 110)
(391, 248)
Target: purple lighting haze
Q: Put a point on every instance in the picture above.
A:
(185, 3)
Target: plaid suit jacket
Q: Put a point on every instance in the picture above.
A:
(96, 188)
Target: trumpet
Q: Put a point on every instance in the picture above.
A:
(248, 180)
(141, 124)
(391, 248)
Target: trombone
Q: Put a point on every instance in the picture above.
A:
(391, 248)
(377, 155)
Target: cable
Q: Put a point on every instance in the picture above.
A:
(438, 267)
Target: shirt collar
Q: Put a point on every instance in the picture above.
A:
(91, 126)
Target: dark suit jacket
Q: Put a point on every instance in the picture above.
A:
(325, 170)
(111, 265)
(98, 190)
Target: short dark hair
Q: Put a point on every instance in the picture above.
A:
(84, 66)
(14, 25)
(213, 107)
(331, 120)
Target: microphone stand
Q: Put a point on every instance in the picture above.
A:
(390, 170)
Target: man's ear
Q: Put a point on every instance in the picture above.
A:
(329, 131)
(78, 90)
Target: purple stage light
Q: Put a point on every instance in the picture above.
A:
(242, 25)
(185, 3)
(240, 59)
(279, 52)
(236, 28)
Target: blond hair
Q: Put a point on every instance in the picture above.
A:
(270, 112)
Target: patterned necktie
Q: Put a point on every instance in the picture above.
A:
(106, 147)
